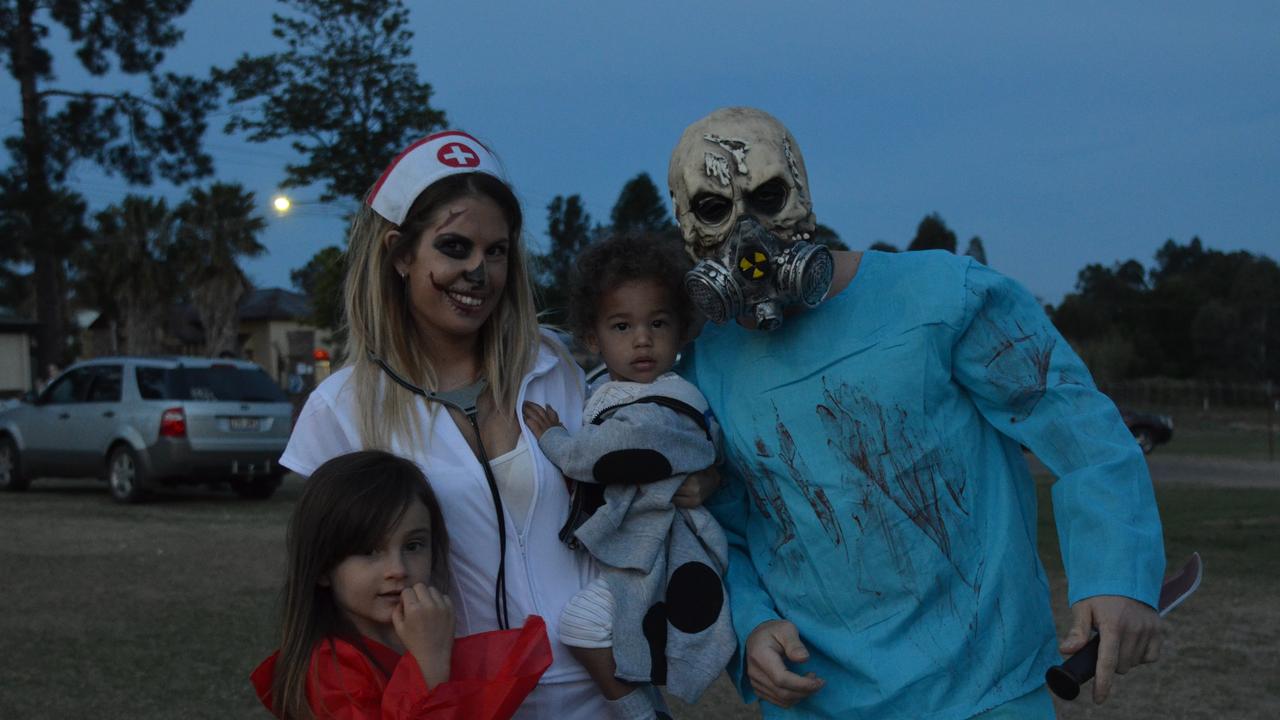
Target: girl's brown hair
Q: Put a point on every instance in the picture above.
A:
(348, 506)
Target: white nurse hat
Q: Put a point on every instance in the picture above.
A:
(424, 162)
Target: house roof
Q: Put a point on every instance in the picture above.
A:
(274, 304)
(13, 323)
(183, 323)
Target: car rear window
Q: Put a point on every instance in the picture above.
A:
(213, 383)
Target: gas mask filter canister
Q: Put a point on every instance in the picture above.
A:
(758, 273)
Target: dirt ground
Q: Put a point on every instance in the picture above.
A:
(160, 610)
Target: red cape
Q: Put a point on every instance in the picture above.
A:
(490, 675)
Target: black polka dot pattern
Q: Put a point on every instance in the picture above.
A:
(655, 631)
(694, 597)
(632, 466)
(694, 600)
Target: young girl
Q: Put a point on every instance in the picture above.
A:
(657, 613)
(366, 631)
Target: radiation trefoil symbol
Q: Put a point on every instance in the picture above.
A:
(754, 264)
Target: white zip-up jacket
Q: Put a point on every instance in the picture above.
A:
(542, 573)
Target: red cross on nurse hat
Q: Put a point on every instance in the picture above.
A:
(424, 162)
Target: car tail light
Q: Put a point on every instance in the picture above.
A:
(173, 423)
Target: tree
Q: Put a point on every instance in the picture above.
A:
(130, 262)
(14, 284)
(569, 227)
(1106, 302)
(883, 246)
(65, 230)
(975, 250)
(321, 280)
(346, 94)
(1222, 342)
(1198, 313)
(344, 91)
(933, 234)
(216, 228)
(640, 208)
(14, 288)
(1185, 282)
(126, 134)
(1174, 260)
(1110, 358)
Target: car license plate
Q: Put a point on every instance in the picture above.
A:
(243, 424)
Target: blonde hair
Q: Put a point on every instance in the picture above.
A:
(379, 321)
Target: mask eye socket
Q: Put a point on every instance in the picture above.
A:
(711, 208)
(769, 198)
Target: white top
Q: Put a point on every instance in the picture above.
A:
(513, 471)
(542, 573)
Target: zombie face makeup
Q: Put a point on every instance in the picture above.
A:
(457, 270)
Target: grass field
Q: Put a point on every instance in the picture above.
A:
(161, 610)
(1242, 433)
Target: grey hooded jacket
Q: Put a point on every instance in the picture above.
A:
(664, 565)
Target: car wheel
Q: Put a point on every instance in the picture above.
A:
(11, 477)
(1145, 440)
(125, 476)
(259, 488)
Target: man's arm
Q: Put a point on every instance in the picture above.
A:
(1028, 383)
(765, 641)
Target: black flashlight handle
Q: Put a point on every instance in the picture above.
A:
(1065, 679)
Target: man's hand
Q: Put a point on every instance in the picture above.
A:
(424, 623)
(696, 488)
(1129, 634)
(769, 647)
(540, 418)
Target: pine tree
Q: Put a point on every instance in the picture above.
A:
(569, 227)
(640, 208)
(933, 234)
(125, 134)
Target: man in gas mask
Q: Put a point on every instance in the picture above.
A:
(880, 512)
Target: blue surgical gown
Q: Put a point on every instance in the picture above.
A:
(876, 494)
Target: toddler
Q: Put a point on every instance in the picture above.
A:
(657, 614)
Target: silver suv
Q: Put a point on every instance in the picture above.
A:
(143, 422)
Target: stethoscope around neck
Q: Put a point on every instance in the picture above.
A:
(464, 400)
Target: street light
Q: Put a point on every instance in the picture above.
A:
(285, 205)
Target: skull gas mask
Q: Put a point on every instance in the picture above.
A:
(740, 191)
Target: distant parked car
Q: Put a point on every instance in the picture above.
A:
(1148, 429)
(143, 422)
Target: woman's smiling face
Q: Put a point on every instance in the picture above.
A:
(457, 269)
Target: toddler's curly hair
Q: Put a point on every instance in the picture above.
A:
(623, 257)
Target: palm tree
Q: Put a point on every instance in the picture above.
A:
(217, 227)
(128, 263)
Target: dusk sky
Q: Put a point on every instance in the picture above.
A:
(1062, 134)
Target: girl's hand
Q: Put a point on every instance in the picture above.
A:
(540, 418)
(424, 622)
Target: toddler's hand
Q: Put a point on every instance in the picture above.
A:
(424, 622)
(540, 418)
(696, 488)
